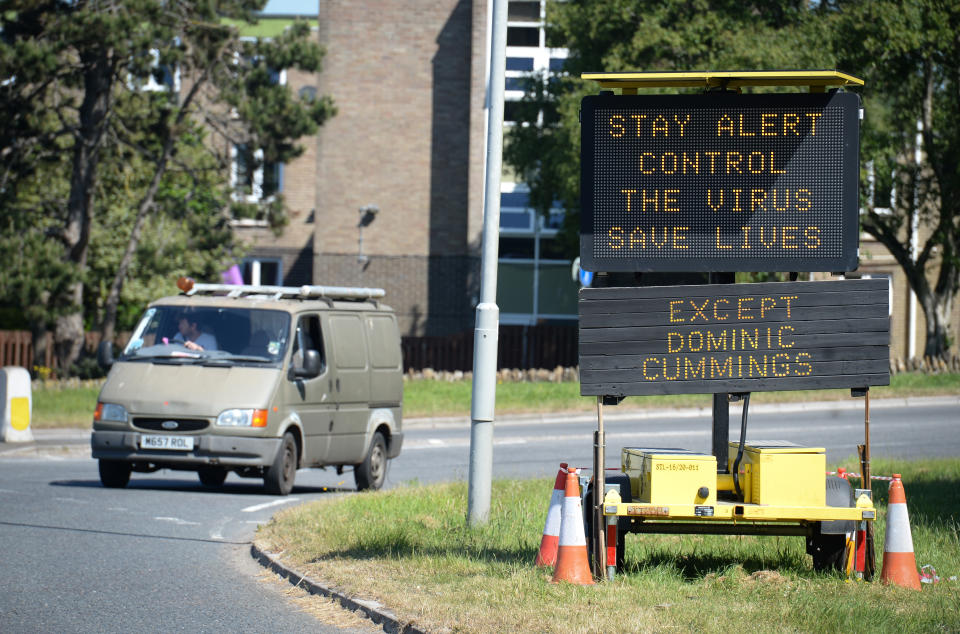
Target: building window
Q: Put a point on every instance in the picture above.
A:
(534, 278)
(524, 64)
(889, 278)
(527, 57)
(263, 271)
(881, 189)
(252, 179)
(523, 11)
(162, 77)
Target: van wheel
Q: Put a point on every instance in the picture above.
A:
(212, 476)
(279, 477)
(371, 473)
(114, 474)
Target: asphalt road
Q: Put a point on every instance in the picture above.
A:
(534, 446)
(166, 554)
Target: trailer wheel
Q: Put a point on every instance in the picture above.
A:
(624, 482)
(827, 550)
(828, 542)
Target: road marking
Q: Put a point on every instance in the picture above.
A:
(436, 442)
(74, 500)
(266, 505)
(217, 533)
(177, 521)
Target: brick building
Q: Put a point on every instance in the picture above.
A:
(408, 79)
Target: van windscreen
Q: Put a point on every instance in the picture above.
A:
(215, 334)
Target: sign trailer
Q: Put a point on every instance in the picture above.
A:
(721, 182)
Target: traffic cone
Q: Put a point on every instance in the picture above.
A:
(572, 564)
(547, 556)
(899, 563)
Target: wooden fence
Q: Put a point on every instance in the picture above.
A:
(523, 347)
(16, 348)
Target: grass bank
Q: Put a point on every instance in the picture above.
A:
(69, 404)
(439, 398)
(409, 548)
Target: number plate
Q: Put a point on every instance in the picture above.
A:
(176, 443)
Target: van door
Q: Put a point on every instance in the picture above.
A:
(350, 359)
(310, 397)
(386, 361)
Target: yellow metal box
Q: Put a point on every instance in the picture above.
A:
(662, 475)
(778, 472)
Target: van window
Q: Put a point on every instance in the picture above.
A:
(309, 337)
(228, 335)
(348, 344)
(385, 352)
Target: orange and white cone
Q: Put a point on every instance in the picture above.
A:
(899, 563)
(547, 555)
(572, 564)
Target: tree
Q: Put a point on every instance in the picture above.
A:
(909, 56)
(74, 78)
(640, 35)
(908, 53)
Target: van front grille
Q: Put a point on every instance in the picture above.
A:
(183, 424)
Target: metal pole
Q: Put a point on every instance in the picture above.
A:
(488, 314)
(867, 483)
(721, 431)
(599, 485)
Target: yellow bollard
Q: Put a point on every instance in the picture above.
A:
(15, 394)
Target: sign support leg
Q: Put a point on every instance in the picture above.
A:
(721, 402)
(599, 563)
(721, 431)
(864, 450)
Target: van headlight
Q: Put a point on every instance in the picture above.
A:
(242, 418)
(110, 412)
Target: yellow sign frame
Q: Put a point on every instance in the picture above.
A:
(629, 82)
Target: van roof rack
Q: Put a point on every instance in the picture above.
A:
(296, 292)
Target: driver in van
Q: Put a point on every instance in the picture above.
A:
(191, 334)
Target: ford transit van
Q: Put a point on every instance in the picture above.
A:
(257, 380)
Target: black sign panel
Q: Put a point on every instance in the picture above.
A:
(720, 182)
(734, 337)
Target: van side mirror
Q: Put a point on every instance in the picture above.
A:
(308, 366)
(105, 354)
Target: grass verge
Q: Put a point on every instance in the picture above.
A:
(439, 398)
(71, 405)
(410, 549)
(59, 404)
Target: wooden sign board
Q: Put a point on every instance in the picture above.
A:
(734, 337)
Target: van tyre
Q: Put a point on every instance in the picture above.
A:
(212, 476)
(114, 474)
(280, 475)
(371, 473)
